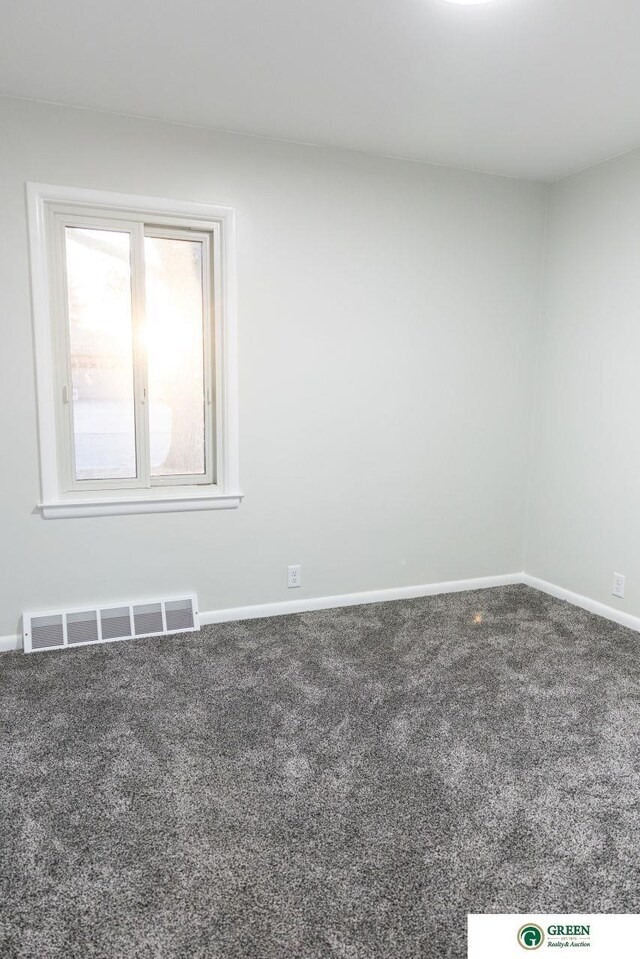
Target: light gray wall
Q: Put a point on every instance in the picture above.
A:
(387, 315)
(584, 515)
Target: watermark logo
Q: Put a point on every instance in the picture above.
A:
(530, 936)
(594, 935)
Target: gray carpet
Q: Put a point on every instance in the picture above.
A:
(348, 783)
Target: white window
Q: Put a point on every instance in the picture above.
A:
(135, 352)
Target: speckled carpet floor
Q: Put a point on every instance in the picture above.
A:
(348, 783)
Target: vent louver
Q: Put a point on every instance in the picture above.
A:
(179, 614)
(148, 619)
(47, 632)
(103, 624)
(116, 623)
(82, 627)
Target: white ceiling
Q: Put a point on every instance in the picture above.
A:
(530, 88)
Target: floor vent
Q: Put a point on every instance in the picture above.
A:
(104, 624)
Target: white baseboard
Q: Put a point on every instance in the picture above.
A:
(591, 605)
(286, 607)
(355, 599)
(10, 643)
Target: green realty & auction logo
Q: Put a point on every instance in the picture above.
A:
(531, 936)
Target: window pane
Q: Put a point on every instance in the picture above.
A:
(175, 344)
(100, 334)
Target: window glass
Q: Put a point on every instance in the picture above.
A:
(101, 350)
(175, 355)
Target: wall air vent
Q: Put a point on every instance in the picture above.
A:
(103, 624)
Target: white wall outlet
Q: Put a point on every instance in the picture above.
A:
(618, 585)
(294, 576)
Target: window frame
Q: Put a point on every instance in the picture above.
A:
(50, 209)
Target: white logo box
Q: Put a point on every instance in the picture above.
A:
(567, 935)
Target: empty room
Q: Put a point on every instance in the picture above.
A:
(320, 513)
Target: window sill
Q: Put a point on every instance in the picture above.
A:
(156, 501)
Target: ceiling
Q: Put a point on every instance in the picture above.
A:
(527, 88)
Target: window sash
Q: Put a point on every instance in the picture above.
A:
(137, 229)
(208, 351)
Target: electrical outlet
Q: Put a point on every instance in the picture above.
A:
(294, 576)
(618, 585)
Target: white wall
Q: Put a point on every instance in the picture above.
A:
(387, 316)
(584, 516)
